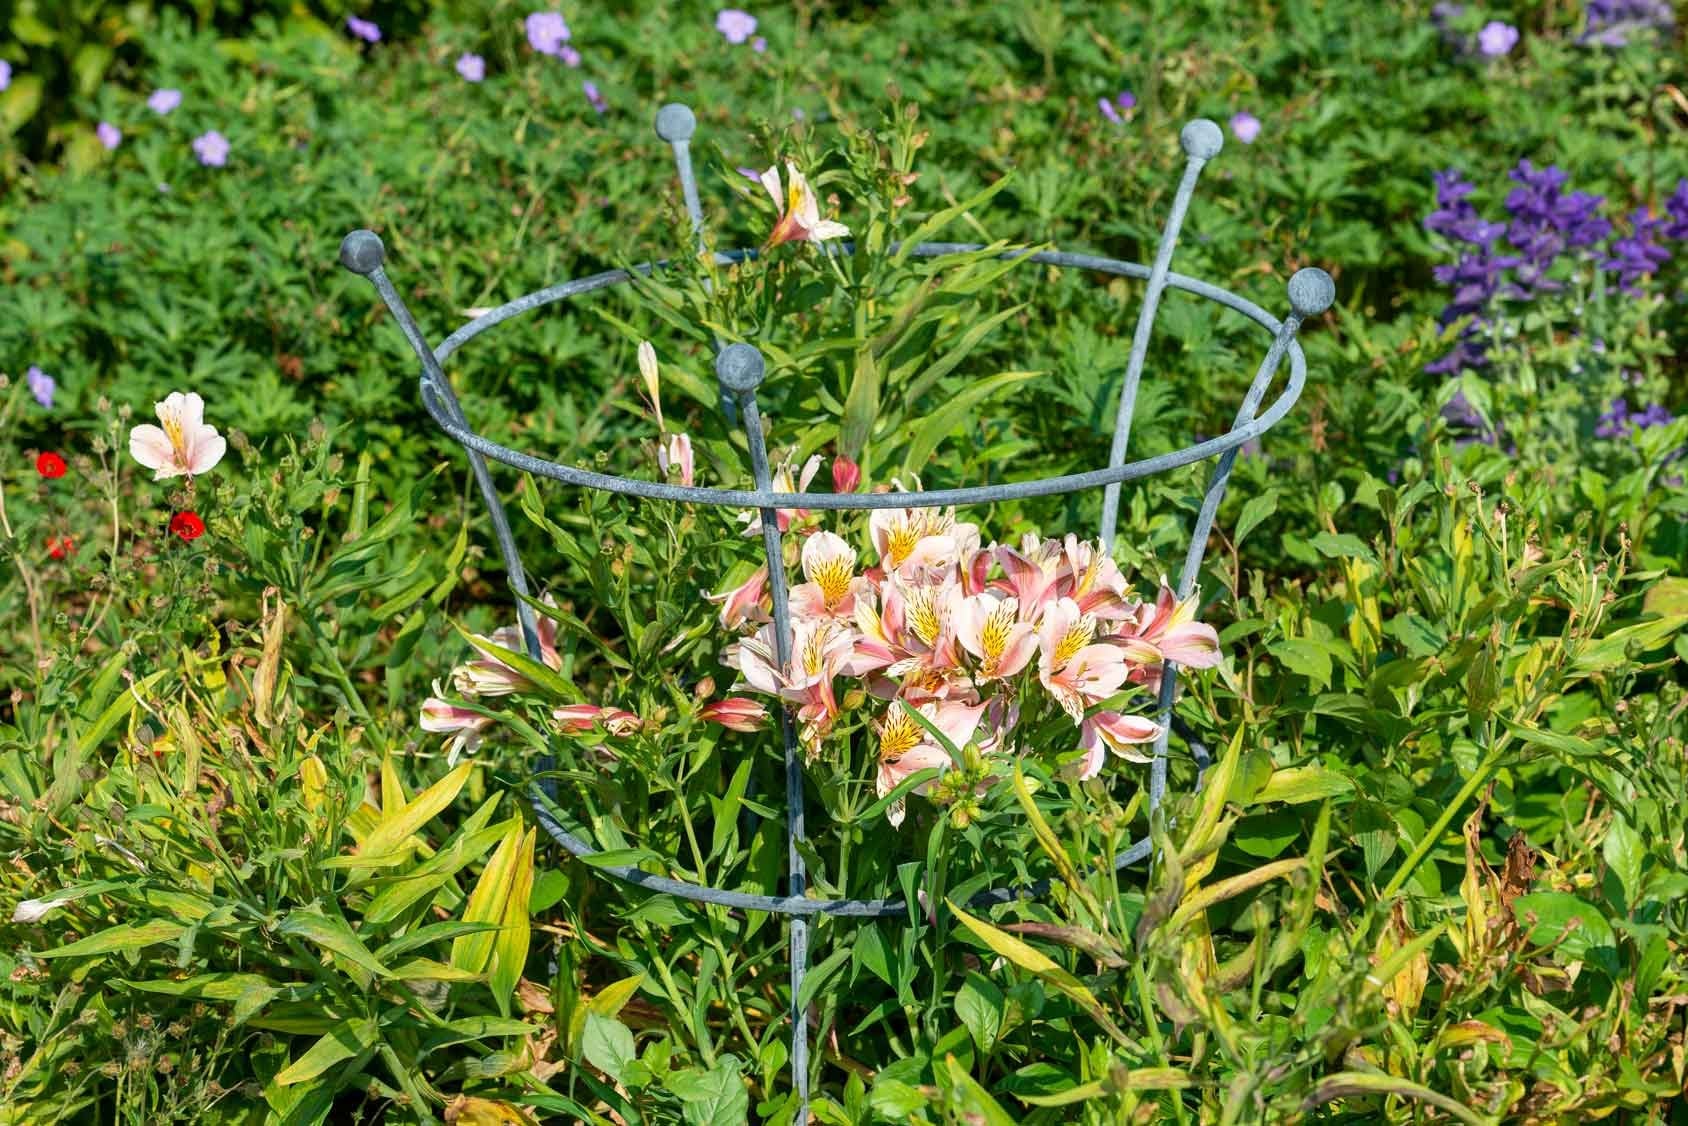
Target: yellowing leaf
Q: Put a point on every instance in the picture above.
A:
(341, 1043)
(399, 823)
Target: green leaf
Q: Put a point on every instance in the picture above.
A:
(1305, 656)
(342, 1043)
(125, 936)
(1573, 925)
(956, 409)
(331, 934)
(1297, 784)
(980, 1005)
(861, 405)
(1039, 964)
(607, 1044)
(1257, 509)
(1624, 852)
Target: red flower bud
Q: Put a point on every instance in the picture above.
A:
(846, 475)
(187, 525)
(60, 546)
(50, 465)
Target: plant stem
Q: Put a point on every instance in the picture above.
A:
(1440, 825)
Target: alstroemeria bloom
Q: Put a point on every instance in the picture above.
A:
(584, 717)
(743, 603)
(846, 475)
(1093, 580)
(1171, 627)
(919, 537)
(829, 565)
(736, 713)
(443, 717)
(906, 747)
(781, 483)
(648, 372)
(182, 444)
(1116, 732)
(488, 675)
(800, 217)
(1077, 672)
(819, 649)
(676, 456)
(990, 629)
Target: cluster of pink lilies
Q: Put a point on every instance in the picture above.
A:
(965, 635)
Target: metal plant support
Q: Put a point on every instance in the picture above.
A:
(740, 370)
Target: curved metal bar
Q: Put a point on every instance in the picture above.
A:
(1063, 258)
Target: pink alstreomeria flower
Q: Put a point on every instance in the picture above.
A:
(183, 444)
(819, 650)
(800, 214)
(440, 716)
(675, 456)
(906, 747)
(989, 627)
(736, 713)
(1075, 669)
(1113, 731)
(829, 565)
(1170, 632)
(578, 718)
(743, 603)
(488, 675)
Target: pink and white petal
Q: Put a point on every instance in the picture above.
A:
(770, 180)
(149, 445)
(206, 450)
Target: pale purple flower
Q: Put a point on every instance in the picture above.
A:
(110, 135)
(736, 25)
(569, 55)
(367, 30)
(596, 99)
(1612, 23)
(1245, 127)
(1496, 39)
(1125, 101)
(750, 174)
(41, 385)
(759, 45)
(472, 67)
(164, 100)
(547, 32)
(212, 148)
(5, 74)
(1108, 110)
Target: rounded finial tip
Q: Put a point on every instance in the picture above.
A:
(740, 368)
(1202, 138)
(361, 252)
(675, 122)
(1311, 292)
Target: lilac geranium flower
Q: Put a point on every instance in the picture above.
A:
(593, 96)
(1108, 110)
(569, 55)
(162, 101)
(212, 148)
(735, 25)
(1496, 39)
(1245, 126)
(759, 45)
(367, 30)
(472, 67)
(5, 74)
(41, 385)
(547, 32)
(110, 135)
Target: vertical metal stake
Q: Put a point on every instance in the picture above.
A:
(740, 369)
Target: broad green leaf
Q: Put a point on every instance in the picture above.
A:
(980, 1004)
(345, 1041)
(607, 1044)
(1297, 784)
(125, 936)
(1256, 510)
(331, 934)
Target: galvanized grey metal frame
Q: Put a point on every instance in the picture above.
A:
(740, 370)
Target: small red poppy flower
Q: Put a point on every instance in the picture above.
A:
(50, 465)
(187, 525)
(58, 547)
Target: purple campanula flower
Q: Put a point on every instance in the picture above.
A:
(735, 26)
(212, 148)
(759, 45)
(1108, 110)
(547, 32)
(1125, 100)
(1613, 23)
(5, 74)
(1620, 421)
(163, 100)
(570, 57)
(41, 385)
(110, 135)
(1496, 39)
(593, 96)
(1245, 127)
(1546, 222)
(367, 30)
(471, 66)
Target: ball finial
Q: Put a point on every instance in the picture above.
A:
(675, 122)
(1311, 292)
(1202, 138)
(740, 368)
(361, 252)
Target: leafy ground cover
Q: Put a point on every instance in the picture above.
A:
(264, 753)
